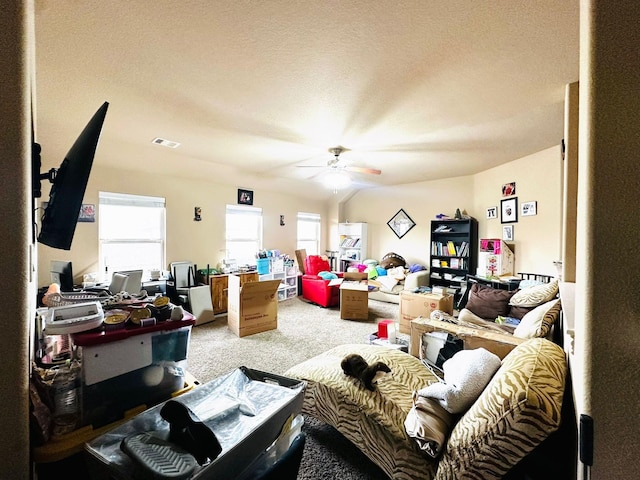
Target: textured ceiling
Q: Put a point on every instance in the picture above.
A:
(420, 89)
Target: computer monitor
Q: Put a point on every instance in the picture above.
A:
(62, 274)
(134, 282)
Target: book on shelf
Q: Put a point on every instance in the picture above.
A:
(451, 248)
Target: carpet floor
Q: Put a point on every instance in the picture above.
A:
(304, 331)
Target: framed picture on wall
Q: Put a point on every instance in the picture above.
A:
(245, 197)
(401, 223)
(509, 210)
(492, 212)
(528, 209)
(507, 233)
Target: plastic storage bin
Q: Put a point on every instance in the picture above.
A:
(125, 368)
(246, 409)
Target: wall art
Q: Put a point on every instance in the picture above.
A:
(507, 233)
(528, 209)
(509, 189)
(509, 210)
(245, 197)
(492, 212)
(401, 223)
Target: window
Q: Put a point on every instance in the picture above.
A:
(132, 232)
(243, 234)
(309, 232)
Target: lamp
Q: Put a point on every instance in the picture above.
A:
(336, 180)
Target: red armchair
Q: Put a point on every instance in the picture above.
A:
(316, 289)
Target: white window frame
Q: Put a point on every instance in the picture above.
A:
(130, 200)
(302, 242)
(235, 213)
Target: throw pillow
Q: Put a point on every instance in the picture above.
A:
(391, 260)
(466, 374)
(387, 282)
(416, 267)
(538, 322)
(487, 302)
(534, 296)
(428, 424)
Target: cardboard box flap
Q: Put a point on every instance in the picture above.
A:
(266, 287)
(362, 287)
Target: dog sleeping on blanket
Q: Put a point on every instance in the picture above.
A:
(355, 366)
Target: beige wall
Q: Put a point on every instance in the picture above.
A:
(538, 178)
(200, 242)
(537, 238)
(537, 242)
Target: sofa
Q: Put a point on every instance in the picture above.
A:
(530, 311)
(315, 282)
(388, 292)
(518, 409)
(392, 275)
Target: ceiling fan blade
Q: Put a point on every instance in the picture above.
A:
(371, 171)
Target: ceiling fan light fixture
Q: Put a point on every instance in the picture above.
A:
(336, 180)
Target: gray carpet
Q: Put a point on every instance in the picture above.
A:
(304, 330)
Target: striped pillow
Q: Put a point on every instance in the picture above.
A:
(538, 322)
(534, 296)
(519, 409)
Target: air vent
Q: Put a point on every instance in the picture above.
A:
(165, 143)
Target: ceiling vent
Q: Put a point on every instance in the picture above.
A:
(165, 143)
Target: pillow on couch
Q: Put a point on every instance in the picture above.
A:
(534, 296)
(538, 322)
(488, 302)
(391, 260)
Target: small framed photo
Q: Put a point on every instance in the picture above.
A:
(245, 197)
(528, 209)
(492, 212)
(509, 189)
(509, 210)
(87, 213)
(507, 233)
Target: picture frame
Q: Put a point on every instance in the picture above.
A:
(507, 233)
(401, 223)
(87, 213)
(492, 212)
(509, 210)
(509, 189)
(245, 197)
(528, 209)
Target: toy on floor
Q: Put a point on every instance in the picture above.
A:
(356, 366)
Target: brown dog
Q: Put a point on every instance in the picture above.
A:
(356, 366)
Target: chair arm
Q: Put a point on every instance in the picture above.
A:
(495, 342)
(416, 279)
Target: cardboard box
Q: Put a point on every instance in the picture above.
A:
(414, 305)
(354, 300)
(252, 308)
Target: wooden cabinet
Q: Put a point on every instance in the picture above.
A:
(219, 285)
(454, 246)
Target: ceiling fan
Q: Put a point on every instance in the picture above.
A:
(337, 164)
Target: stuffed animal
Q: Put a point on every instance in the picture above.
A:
(466, 374)
(355, 366)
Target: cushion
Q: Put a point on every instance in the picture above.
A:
(466, 374)
(520, 408)
(391, 260)
(327, 275)
(315, 264)
(416, 267)
(518, 312)
(536, 295)
(538, 322)
(428, 424)
(487, 302)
